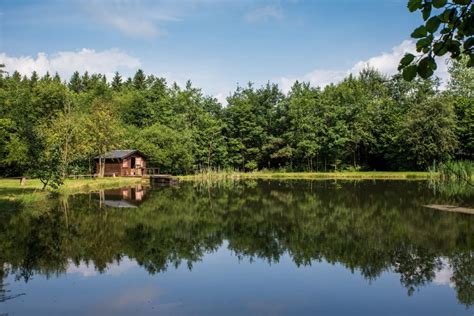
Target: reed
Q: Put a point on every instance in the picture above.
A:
(458, 171)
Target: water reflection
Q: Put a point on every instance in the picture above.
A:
(369, 227)
(128, 197)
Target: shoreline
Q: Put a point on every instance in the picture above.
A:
(12, 192)
(358, 175)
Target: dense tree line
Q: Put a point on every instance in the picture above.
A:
(52, 128)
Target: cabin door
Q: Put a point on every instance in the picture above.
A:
(132, 165)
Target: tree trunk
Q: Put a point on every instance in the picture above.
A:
(100, 167)
(102, 172)
(209, 157)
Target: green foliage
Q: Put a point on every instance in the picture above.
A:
(365, 122)
(168, 149)
(455, 170)
(448, 27)
(461, 93)
(427, 134)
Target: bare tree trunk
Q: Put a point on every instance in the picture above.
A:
(102, 172)
(65, 157)
(209, 157)
(354, 157)
(100, 167)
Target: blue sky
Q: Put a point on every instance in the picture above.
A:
(216, 44)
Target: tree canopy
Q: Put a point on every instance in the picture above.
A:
(368, 122)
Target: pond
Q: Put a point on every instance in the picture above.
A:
(249, 247)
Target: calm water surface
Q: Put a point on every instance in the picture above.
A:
(241, 248)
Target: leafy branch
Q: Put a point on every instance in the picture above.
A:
(450, 31)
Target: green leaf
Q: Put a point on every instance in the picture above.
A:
(439, 3)
(423, 43)
(426, 67)
(432, 24)
(424, 71)
(419, 32)
(453, 16)
(409, 72)
(454, 47)
(407, 59)
(470, 63)
(469, 43)
(463, 2)
(430, 62)
(414, 5)
(444, 17)
(426, 12)
(440, 48)
(445, 30)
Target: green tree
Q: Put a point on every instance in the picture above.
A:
(169, 150)
(75, 83)
(139, 80)
(460, 92)
(116, 82)
(428, 133)
(105, 130)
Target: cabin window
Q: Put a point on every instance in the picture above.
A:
(133, 162)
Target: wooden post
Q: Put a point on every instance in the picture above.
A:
(23, 181)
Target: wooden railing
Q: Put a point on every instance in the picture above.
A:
(133, 171)
(152, 171)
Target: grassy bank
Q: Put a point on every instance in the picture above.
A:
(11, 190)
(362, 175)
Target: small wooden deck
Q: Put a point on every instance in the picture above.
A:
(161, 178)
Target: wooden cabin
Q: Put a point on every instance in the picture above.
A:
(122, 163)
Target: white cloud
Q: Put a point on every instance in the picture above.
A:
(132, 27)
(83, 269)
(444, 275)
(139, 19)
(386, 62)
(221, 97)
(264, 14)
(65, 63)
(318, 77)
(115, 269)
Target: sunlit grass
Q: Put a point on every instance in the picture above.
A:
(11, 190)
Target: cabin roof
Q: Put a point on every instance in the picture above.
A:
(120, 154)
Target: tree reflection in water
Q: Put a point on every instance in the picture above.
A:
(371, 227)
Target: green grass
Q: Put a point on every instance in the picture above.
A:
(12, 191)
(309, 175)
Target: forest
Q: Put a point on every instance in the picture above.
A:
(52, 126)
